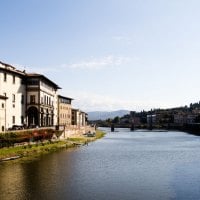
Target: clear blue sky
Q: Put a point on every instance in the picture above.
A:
(108, 54)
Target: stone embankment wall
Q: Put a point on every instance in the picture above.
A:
(76, 130)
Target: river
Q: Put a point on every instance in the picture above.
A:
(122, 166)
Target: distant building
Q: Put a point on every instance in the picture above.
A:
(134, 119)
(64, 111)
(151, 119)
(180, 119)
(78, 117)
(191, 118)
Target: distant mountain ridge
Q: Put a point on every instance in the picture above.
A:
(103, 115)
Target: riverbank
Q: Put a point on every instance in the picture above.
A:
(34, 149)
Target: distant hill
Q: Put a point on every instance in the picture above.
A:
(103, 115)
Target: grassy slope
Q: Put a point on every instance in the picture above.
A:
(47, 147)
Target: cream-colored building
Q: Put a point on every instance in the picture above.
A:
(31, 100)
(41, 101)
(64, 111)
(3, 100)
(13, 87)
(78, 117)
(26, 99)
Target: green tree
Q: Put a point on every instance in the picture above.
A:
(116, 120)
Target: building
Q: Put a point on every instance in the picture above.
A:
(3, 113)
(41, 98)
(79, 118)
(32, 100)
(151, 119)
(75, 117)
(82, 116)
(64, 111)
(12, 93)
(180, 119)
(26, 99)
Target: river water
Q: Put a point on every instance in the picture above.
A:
(122, 166)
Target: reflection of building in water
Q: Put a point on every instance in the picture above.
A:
(13, 182)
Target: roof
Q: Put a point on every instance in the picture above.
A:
(44, 78)
(63, 97)
(74, 109)
(10, 68)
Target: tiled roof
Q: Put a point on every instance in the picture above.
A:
(44, 78)
(63, 97)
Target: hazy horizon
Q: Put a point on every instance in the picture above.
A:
(108, 54)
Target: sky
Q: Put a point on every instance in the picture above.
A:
(108, 54)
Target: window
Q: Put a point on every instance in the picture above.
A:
(5, 77)
(4, 94)
(32, 99)
(33, 82)
(22, 119)
(13, 79)
(2, 128)
(2, 105)
(13, 98)
(22, 100)
(13, 119)
(41, 100)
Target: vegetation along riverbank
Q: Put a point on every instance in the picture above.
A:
(47, 146)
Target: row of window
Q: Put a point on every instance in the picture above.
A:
(5, 78)
(14, 98)
(13, 78)
(65, 101)
(65, 116)
(65, 108)
(46, 100)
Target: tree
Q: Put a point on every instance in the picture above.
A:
(116, 120)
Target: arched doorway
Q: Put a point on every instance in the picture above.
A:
(32, 114)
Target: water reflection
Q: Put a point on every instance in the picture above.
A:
(123, 165)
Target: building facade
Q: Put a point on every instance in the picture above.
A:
(64, 111)
(3, 113)
(79, 118)
(41, 100)
(13, 93)
(26, 99)
(32, 100)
